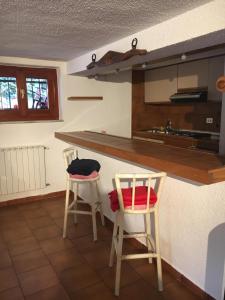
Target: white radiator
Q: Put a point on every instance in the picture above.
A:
(22, 169)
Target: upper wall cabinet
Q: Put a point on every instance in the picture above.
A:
(193, 74)
(163, 82)
(160, 84)
(216, 69)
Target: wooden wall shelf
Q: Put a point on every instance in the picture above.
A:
(77, 98)
(165, 56)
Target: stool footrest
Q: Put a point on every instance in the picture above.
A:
(81, 212)
(139, 255)
(135, 235)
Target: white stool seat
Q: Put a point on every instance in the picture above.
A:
(72, 183)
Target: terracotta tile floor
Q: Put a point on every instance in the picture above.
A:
(36, 263)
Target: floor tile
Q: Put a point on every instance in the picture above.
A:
(59, 221)
(128, 275)
(12, 235)
(29, 261)
(138, 262)
(148, 273)
(56, 244)
(9, 211)
(47, 232)
(77, 278)
(12, 294)
(23, 245)
(5, 260)
(34, 213)
(56, 212)
(79, 230)
(10, 223)
(65, 259)
(38, 279)
(29, 206)
(2, 244)
(40, 222)
(52, 203)
(55, 292)
(86, 243)
(104, 232)
(140, 290)
(97, 259)
(175, 291)
(94, 292)
(8, 279)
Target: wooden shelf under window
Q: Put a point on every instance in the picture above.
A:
(77, 98)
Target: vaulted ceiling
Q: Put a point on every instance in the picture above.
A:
(64, 29)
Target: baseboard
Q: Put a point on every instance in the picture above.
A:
(166, 266)
(54, 195)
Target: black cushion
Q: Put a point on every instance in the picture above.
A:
(83, 166)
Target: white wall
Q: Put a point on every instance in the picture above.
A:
(113, 115)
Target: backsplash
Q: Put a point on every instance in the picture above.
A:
(190, 116)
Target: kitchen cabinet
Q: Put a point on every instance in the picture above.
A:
(193, 74)
(160, 84)
(216, 69)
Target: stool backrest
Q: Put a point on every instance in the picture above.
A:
(69, 154)
(154, 180)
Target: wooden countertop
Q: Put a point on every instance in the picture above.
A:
(195, 165)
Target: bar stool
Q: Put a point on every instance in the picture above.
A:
(72, 183)
(136, 200)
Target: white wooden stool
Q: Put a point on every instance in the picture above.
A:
(73, 184)
(130, 206)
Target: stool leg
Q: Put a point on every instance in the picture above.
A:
(119, 255)
(93, 213)
(66, 208)
(100, 206)
(148, 232)
(159, 265)
(114, 236)
(75, 203)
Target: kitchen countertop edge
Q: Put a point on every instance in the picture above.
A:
(207, 169)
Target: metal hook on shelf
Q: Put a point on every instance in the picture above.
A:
(134, 43)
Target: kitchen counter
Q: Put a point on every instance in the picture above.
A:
(205, 168)
(204, 143)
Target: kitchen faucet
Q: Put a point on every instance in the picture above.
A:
(168, 126)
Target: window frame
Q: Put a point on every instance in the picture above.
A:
(23, 113)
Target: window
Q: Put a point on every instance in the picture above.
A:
(28, 94)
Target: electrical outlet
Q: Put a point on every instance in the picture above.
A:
(209, 120)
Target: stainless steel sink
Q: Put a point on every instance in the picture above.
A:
(179, 132)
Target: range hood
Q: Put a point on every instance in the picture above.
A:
(192, 96)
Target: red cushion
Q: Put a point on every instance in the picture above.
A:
(140, 197)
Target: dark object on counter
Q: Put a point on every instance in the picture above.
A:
(192, 134)
(83, 166)
(185, 97)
